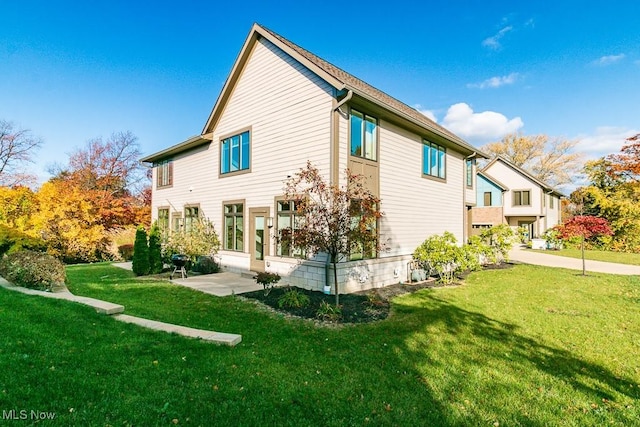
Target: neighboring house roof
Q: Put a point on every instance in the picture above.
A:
(521, 171)
(335, 76)
(493, 181)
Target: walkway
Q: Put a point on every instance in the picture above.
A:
(115, 310)
(519, 254)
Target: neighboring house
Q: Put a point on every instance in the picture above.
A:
(281, 106)
(509, 195)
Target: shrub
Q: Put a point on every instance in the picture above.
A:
(501, 238)
(155, 251)
(12, 240)
(205, 265)
(126, 252)
(140, 265)
(201, 239)
(267, 280)
(329, 312)
(443, 255)
(293, 298)
(476, 254)
(33, 270)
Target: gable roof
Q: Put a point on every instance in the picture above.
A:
(493, 181)
(521, 171)
(334, 76)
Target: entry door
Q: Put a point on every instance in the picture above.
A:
(259, 232)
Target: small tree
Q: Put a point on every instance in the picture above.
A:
(336, 220)
(200, 239)
(140, 264)
(585, 227)
(155, 250)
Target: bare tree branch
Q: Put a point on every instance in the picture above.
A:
(17, 149)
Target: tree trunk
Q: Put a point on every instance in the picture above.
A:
(584, 267)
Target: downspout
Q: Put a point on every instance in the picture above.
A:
(334, 176)
(466, 232)
(334, 140)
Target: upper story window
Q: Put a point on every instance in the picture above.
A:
(433, 159)
(364, 136)
(521, 198)
(487, 198)
(235, 153)
(469, 171)
(164, 173)
(551, 202)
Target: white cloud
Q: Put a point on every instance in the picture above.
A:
(605, 140)
(609, 59)
(495, 82)
(429, 113)
(481, 127)
(493, 42)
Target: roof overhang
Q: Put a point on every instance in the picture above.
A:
(193, 142)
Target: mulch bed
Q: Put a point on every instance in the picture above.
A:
(360, 307)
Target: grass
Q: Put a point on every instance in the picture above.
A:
(524, 346)
(594, 255)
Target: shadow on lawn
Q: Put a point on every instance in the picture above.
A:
(484, 359)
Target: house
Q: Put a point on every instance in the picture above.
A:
(282, 106)
(509, 195)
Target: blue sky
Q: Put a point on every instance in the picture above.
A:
(73, 71)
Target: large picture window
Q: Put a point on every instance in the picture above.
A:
(235, 153)
(364, 135)
(164, 173)
(287, 221)
(433, 160)
(234, 227)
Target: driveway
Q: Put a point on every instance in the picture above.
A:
(519, 254)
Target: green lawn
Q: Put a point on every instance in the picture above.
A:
(607, 256)
(526, 346)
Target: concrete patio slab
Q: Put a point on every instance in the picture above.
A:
(220, 284)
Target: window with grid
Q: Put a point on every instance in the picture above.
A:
(364, 135)
(521, 198)
(287, 220)
(433, 160)
(164, 173)
(163, 221)
(234, 227)
(235, 153)
(191, 214)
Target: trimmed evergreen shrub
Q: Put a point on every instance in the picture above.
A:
(155, 251)
(35, 270)
(140, 264)
(205, 265)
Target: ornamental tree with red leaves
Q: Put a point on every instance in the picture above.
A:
(585, 227)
